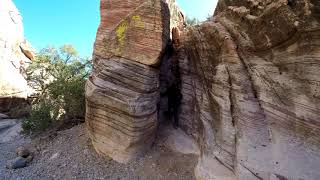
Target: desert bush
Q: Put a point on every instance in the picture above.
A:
(192, 21)
(58, 77)
(39, 118)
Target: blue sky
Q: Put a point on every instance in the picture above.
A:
(199, 9)
(58, 22)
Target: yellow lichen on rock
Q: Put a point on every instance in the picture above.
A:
(137, 22)
(121, 35)
(136, 18)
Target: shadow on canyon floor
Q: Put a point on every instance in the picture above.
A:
(68, 154)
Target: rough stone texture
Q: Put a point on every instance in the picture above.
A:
(178, 141)
(15, 55)
(136, 30)
(177, 19)
(249, 77)
(123, 91)
(250, 85)
(122, 108)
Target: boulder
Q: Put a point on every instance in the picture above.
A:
(123, 90)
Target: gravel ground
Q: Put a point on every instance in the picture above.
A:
(69, 154)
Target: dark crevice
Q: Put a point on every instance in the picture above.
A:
(232, 108)
(281, 177)
(223, 164)
(232, 111)
(170, 86)
(291, 3)
(248, 69)
(254, 174)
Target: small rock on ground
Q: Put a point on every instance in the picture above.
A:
(16, 163)
(23, 152)
(78, 160)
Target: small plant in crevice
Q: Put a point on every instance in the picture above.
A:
(192, 21)
(58, 77)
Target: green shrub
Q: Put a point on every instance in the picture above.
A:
(58, 77)
(39, 118)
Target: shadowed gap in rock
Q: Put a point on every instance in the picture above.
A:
(170, 87)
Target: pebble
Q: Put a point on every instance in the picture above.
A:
(54, 156)
(22, 152)
(77, 156)
(18, 162)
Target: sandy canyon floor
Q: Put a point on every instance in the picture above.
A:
(69, 154)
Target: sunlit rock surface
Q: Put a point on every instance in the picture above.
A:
(250, 81)
(250, 84)
(123, 90)
(136, 30)
(15, 55)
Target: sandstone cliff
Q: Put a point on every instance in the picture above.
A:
(250, 83)
(249, 79)
(15, 54)
(123, 90)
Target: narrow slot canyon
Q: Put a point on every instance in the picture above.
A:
(220, 84)
(235, 96)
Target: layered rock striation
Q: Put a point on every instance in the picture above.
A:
(123, 91)
(15, 55)
(250, 85)
(249, 77)
(137, 30)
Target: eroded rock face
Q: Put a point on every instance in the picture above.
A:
(15, 55)
(250, 85)
(136, 30)
(123, 90)
(249, 78)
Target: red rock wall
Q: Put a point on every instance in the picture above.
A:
(123, 91)
(137, 30)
